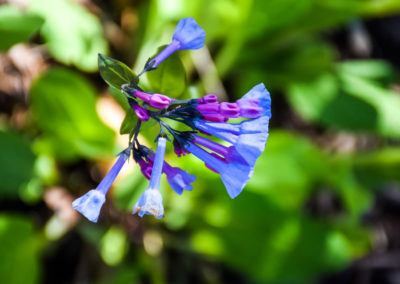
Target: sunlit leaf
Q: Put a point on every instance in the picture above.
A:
(114, 72)
(169, 78)
(129, 122)
(16, 26)
(73, 34)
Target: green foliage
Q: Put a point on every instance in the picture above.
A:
(169, 78)
(20, 247)
(73, 35)
(351, 98)
(114, 72)
(63, 103)
(129, 122)
(16, 26)
(16, 163)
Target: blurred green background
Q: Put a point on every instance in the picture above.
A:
(323, 205)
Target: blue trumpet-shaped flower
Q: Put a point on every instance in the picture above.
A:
(234, 173)
(188, 35)
(89, 205)
(150, 202)
(178, 179)
(248, 137)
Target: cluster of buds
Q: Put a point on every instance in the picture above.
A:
(202, 117)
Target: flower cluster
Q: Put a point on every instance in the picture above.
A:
(202, 118)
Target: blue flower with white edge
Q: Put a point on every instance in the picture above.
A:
(150, 202)
(89, 205)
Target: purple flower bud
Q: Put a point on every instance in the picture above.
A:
(142, 95)
(145, 168)
(159, 101)
(249, 108)
(208, 99)
(260, 94)
(205, 109)
(215, 118)
(229, 109)
(141, 113)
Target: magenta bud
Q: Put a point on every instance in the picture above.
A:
(249, 108)
(145, 168)
(208, 99)
(208, 108)
(229, 109)
(180, 151)
(142, 95)
(159, 101)
(215, 118)
(141, 112)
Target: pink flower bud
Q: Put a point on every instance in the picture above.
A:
(159, 101)
(229, 109)
(141, 112)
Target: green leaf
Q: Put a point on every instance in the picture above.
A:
(129, 122)
(114, 72)
(20, 248)
(323, 101)
(16, 26)
(73, 34)
(16, 163)
(63, 104)
(169, 78)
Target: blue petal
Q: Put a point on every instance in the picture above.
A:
(260, 93)
(180, 180)
(251, 146)
(150, 203)
(90, 204)
(189, 34)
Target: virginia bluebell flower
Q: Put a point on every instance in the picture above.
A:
(234, 173)
(204, 116)
(90, 204)
(188, 35)
(150, 202)
(178, 179)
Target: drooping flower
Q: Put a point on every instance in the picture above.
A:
(188, 35)
(234, 173)
(150, 202)
(178, 179)
(89, 205)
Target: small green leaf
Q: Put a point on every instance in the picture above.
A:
(114, 72)
(129, 122)
(169, 78)
(16, 26)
